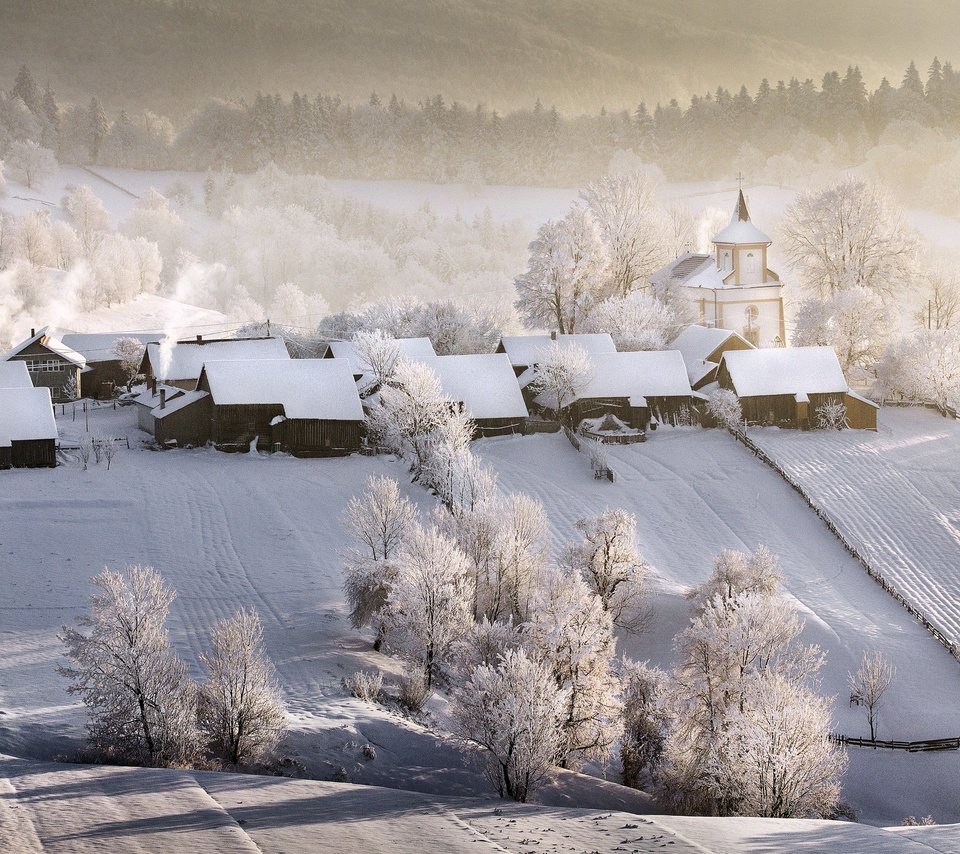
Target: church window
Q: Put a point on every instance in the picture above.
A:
(751, 263)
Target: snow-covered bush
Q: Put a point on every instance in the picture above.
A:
(597, 454)
(513, 711)
(724, 407)
(414, 690)
(365, 686)
(644, 722)
(561, 373)
(832, 416)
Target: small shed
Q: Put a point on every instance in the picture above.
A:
(178, 363)
(50, 363)
(486, 388)
(702, 347)
(524, 350)
(785, 386)
(15, 375)
(184, 421)
(99, 351)
(307, 407)
(635, 387)
(28, 430)
(149, 399)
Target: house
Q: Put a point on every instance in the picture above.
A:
(178, 363)
(99, 351)
(307, 407)
(15, 375)
(732, 288)
(28, 431)
(635, 387)
(702, 347)
(524, 350)
(786, 385)
(50, 363)
(486, 389)
(151, 398)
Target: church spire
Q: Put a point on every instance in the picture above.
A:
(740, 212)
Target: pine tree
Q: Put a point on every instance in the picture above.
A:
(27, 90)
(97, 128)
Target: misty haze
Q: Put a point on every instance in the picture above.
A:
(442, 426)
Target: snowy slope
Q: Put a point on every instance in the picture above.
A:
(45, 807)
(895, 495)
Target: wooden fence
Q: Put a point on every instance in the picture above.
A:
(925, 746)
(598, 473)
(874, 573)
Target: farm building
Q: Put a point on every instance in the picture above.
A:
(307, 407)
(178, 363)
(523, 350)
(702, 347)
(104, 368)
(28, 431)
(635, 387)
(785, 386)
(486, 388)
(184, 421)
(150, 399)
(50, 363)
(14, 375)
(417, 349)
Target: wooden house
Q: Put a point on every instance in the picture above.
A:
(636, 387)
(178, 363)
(104, 371)
(785, 386)
(50, 363)
(15, 375)
(307, 407)
(28, 431)
(485, 388)
(702, 348)
(524, 350)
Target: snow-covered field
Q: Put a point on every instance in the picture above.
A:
(232, 530)
(895, 495)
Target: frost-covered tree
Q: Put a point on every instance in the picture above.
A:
(129, 352)
(571, 630)
(639, 321)
(942, 304)
(241, 710)
(377, 520)
(855, 322)
(428, 604)
(643, 722)
(633, 225)
(924, 366)
(870, 683)
(141, 704)
(832, 416)
(608, 561)
(723, 406)
(736, 572)
(379, 351)
(512, 710)
(30, 163)
(32, 240)
(90, 218)
(568, 271)
(155, 220)
(561, 372)
(849, 235)
(451, 470)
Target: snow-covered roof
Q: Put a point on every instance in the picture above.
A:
(741, 228)
(647, 373)
(484, 383)
(785, 370)
(524, 350)
(418, 349)
(182, 401)
(15, 375)
(151, 398)
(696, 343)
(100, 346)
(692, 270)
(26, 414)
(186, 358)
(305, 388)
(54, 345)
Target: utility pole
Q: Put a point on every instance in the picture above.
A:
(929, 313)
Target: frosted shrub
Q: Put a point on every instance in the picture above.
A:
(414, 690)
(832, 416)
(84, 449)
(364, 686)
(597, 454)
(724, 407)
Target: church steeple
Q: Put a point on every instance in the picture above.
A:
(740, 212)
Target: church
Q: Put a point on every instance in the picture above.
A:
(733, 288)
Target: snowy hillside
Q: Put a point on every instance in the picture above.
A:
(232, 530)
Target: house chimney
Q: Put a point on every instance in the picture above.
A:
(33, 332)
(163, 398)
(553, 334)
(199, 339)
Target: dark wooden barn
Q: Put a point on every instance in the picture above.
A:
(28, 431)
(104, 369)
(702, 348)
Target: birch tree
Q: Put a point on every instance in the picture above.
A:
(870, 683)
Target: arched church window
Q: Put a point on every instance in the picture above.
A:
(751, 264)
(726, 260)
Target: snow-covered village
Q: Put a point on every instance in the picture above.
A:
(452, 427)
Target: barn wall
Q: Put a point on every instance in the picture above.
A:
(187, 426)
(314, 437)
(596, 407)
(238, 425)
(860, 415)
(35, 453)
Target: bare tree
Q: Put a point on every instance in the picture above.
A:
(942, 305)
(142, 705)
(109, 450)
(241, 710)
(562, 371)
(513, 711)
(85, 449)
(870, 682)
